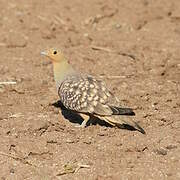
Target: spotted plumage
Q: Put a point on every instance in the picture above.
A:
(88, 95)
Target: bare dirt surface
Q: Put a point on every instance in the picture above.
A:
(133, 45)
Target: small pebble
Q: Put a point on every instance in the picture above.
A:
(118, 26)
(87, 141)
(163, 119)
(171, 146)
(86, 34)
(70, 141)
(12, 171)
(161, 151)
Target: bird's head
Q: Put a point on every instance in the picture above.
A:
(61, 66)
(54, 54)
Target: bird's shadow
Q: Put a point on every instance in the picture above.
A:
(74, 117)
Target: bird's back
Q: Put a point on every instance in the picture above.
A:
(85, 93)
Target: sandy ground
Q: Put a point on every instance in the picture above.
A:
(134, 45)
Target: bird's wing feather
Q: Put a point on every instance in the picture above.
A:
(89, 95)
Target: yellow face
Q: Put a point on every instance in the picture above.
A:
(54, 54)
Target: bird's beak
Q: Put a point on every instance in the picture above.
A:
(44, 53)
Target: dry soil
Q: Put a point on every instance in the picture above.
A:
(134, 45)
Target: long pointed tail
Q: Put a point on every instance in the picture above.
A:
(123, 122)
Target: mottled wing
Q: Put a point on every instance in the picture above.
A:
(86, 94)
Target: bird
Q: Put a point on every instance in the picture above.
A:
(88, 95)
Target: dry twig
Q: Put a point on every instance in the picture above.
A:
(101, 48)
(72, 168)
(7, 83)
(17, 158)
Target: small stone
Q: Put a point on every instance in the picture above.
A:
(51, 141)
(12, 171)
(118, 26)
(118, 144)
(70, 141)
(171, 146)
(86, 35)
(9, 104)
(161, 151)
(161, 123)
(101, 134)
(169, 174)
(88, 21)
(155, 103)
(163, 119)
(87, 141)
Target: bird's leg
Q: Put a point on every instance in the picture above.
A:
(85, 120)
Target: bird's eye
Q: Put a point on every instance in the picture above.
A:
(55, 52)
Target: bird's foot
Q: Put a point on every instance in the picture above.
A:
(82, 125)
